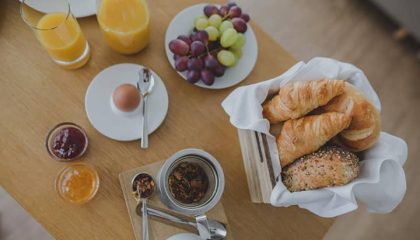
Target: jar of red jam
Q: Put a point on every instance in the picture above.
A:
(66, 141)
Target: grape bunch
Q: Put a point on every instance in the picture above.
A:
(214, 44)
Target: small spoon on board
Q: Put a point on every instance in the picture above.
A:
(143, 187)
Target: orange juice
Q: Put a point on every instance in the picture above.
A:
(63, 39)
(125, 24)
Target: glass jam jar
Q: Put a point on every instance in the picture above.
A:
(66, 141)
(77, 183)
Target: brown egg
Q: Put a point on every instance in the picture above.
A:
(126, 97)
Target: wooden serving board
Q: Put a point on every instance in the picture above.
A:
(158, 230)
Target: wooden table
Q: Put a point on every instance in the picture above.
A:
(35, 94)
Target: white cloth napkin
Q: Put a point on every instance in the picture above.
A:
(381, 185)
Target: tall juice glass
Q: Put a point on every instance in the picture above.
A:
(57, 30)
(125, 24)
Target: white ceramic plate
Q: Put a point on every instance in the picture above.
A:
(79, 8)
(182, 23)
(184, 236)
(82, 8)
(123, 127)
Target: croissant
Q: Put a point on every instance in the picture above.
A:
(305, 135)
(296, 99)
(365, 125)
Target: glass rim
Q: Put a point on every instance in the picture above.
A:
(22, 15)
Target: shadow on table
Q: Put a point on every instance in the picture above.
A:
(3, 11)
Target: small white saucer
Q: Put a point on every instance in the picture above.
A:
(118, 125)
(182, 23)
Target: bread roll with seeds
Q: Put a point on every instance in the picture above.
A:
(327, 167)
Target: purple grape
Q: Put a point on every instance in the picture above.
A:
(207, 77)
(235, 12)
(245, 17)
(219, 71)
(193, 37)
(239, 24)
(195, 64)
(232, 4)
(210, 62)
(223, 11)
(197, 48)
(193, 76)
(202, 36)
(181, 63)
(176, 56)
(185, 38)
(179, 47)
(210, 10)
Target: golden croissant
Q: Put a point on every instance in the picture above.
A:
(296, 99)
(305, 135)
(365, 125)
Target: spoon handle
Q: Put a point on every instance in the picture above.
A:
(145, 221)
(169, 217)
(145, 135)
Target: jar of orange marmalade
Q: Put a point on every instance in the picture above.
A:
(77, 183)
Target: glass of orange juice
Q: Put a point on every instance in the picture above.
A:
(125, 24)
(57, 30)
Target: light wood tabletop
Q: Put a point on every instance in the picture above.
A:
(36, 94)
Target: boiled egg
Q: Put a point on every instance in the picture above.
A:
(126, 97)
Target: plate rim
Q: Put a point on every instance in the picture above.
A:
(86, 13)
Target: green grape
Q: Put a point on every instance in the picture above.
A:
(237, 53)
(229, 37)
(212, 32)
(226, 58)
(225, 25)
(215, 20)
(240, 42)
(199, 17)
(201, 23)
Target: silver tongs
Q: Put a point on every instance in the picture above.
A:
(216, 230)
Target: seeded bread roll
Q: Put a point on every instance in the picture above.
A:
(329, 166)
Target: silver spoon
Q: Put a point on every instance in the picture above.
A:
(143, 188)
(145, 85)
(217, 230)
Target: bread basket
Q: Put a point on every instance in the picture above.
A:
(380, 186)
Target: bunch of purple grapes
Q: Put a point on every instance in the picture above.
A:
(210, 49)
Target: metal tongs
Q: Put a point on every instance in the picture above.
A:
(215, 231)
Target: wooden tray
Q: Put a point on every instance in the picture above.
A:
(158, 230)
